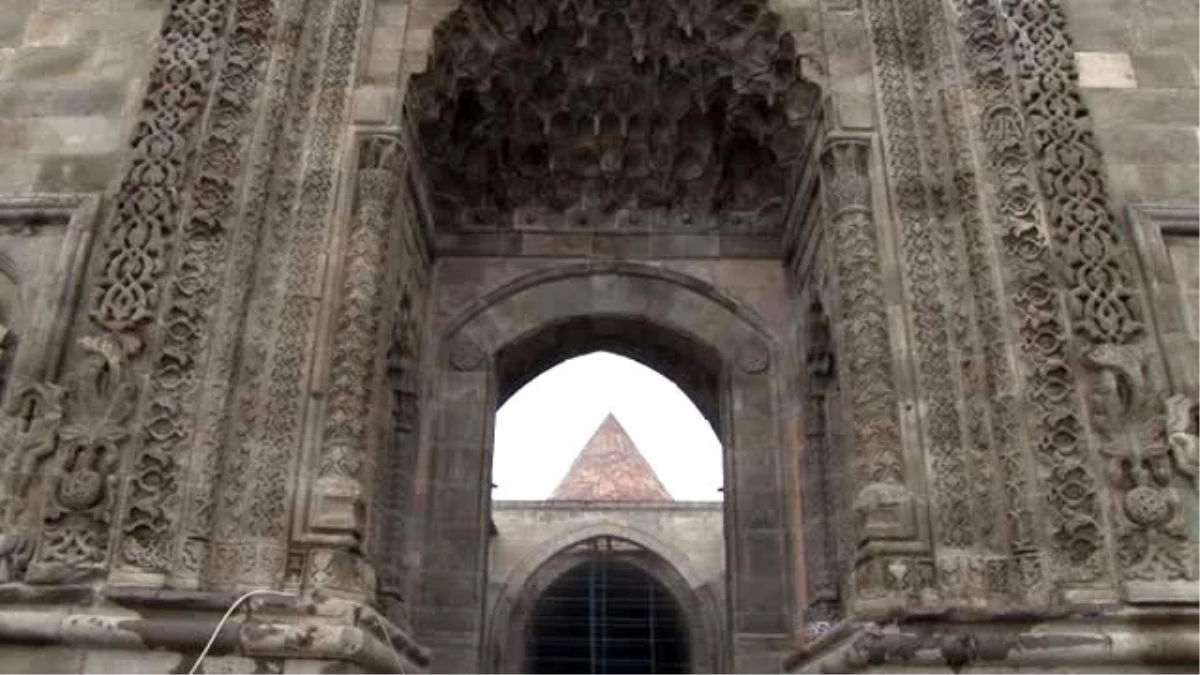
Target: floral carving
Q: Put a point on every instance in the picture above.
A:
(81, 488)
(580, 109)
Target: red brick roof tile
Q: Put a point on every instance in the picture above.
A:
(610, 468)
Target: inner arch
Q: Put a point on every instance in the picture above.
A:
(607, 615)
(695, 368)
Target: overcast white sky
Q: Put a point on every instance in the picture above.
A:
(542, 427)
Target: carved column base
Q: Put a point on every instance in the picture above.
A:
(246, 563)
(338, 573)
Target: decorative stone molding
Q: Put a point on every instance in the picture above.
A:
(1072, 529)
(1150, 226)
(293, 197)
(191, 246)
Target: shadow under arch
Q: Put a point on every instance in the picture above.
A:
(508, 336)
(509, 620)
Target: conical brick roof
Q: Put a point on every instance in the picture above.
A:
(610, 468)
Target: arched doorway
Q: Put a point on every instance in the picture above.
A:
(614, 587)
(606, 616)
(719, 353)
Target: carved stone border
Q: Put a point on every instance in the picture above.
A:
(42, 348)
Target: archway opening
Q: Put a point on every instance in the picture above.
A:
(561, 418)
(561, 388)
(607, 615)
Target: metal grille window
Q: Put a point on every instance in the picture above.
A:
(607, 615)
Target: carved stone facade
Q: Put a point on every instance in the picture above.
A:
(909, 258)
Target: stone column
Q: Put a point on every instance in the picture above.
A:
(335, 484)
(884, 525)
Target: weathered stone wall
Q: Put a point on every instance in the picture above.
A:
(1138, 73)
(72, 73)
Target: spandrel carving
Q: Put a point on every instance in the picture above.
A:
(580, 114)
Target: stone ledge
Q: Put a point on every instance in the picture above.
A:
(291, 629)
(1116, 641)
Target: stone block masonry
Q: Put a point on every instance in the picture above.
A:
(1138, 74)
(71, 75)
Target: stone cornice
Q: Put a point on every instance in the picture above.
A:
(126, 618)
(1026, 641)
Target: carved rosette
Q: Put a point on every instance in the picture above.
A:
(882, 503)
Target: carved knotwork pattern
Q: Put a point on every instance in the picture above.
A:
(571, 111)
(1100, 286)
(143, 225)
(152, 512)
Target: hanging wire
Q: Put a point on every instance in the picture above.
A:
(221, 624)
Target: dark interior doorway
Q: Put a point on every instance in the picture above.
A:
(607, 616)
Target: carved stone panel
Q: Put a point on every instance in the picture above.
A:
(1166, 238)
(44, 243)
